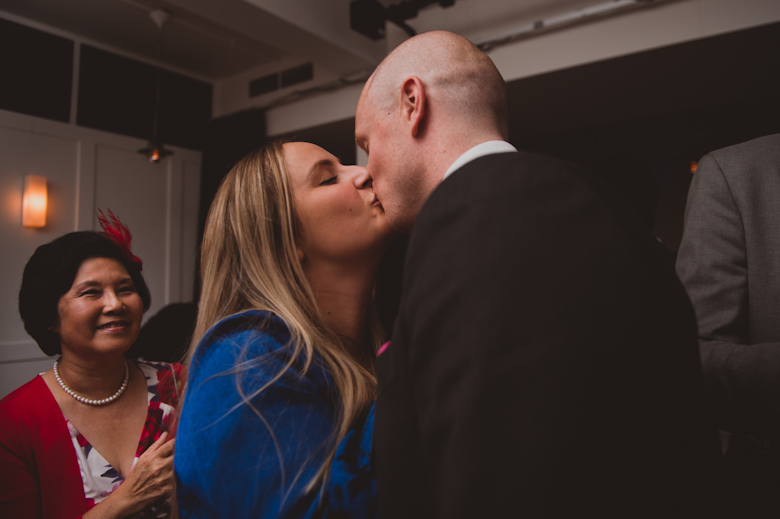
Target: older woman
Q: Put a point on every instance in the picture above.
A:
(278, 417)
(90, 437)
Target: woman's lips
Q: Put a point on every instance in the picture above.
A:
(113, 325)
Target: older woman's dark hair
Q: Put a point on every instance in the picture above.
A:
(50, 273)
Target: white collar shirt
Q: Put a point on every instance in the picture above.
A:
(480, 150)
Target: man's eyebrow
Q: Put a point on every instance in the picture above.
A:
(317, 165)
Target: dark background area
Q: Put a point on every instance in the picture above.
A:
(639, 120)
(116, 94)
(39, 80)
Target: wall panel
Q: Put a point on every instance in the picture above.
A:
(189, 235)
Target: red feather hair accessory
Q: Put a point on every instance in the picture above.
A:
(120, 234)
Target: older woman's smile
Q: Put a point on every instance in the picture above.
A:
(114, 326)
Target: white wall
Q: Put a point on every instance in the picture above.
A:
(89, 169)
(627, 32)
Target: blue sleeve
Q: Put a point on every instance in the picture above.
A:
(352, 488)
(238, 460)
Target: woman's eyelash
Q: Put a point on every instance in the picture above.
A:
(328, 181)
(94, 291)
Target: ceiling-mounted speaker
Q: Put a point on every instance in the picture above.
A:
(160, 17)
(368, 18)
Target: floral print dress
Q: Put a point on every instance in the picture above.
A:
(98, 476)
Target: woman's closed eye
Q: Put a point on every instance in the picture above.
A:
(331, 180)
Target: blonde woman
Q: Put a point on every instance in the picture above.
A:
(278, 416)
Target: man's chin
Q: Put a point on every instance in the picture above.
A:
(400, 222)
(401, 227)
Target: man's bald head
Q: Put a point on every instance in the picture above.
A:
(458, 77)
(432, 99)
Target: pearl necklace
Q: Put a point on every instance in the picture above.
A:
(91, 401)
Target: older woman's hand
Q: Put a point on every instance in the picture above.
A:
(150, 482)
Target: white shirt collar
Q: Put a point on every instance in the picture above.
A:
(480, 150)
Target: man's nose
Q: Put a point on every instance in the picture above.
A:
(362, 179)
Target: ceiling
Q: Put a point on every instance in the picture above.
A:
(217, 39)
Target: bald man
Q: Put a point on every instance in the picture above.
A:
(544, 362)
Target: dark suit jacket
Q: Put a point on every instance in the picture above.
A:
(544, 361)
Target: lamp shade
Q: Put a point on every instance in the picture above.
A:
(155, 151)
(34, 201)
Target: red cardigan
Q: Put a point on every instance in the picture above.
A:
(39, 472)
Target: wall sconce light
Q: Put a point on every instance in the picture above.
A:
(34, 201)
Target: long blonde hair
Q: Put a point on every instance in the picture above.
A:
(249, 261)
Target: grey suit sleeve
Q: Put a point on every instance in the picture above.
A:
(742, 379)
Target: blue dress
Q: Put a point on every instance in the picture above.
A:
(234, 460)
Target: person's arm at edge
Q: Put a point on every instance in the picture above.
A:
(742, 381)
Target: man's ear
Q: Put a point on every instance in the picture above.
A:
(413, 103)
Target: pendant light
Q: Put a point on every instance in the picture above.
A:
(155, 150)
